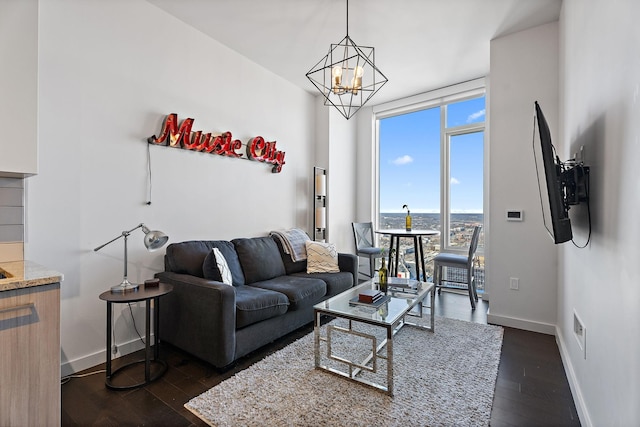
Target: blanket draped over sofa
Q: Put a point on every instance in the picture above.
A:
(292, 242)
(270, 295)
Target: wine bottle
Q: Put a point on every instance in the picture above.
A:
(407, 220)
(382, 275)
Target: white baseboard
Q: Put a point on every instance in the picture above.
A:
(527, 325)
(576, 391)
(85, 362)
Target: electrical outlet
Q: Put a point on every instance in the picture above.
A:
(514, 283)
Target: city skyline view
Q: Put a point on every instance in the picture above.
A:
(461, 229)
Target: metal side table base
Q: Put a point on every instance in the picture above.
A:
(147, 295)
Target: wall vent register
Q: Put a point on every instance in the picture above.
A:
(515, 215)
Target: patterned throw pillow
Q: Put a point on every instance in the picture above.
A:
(321, 257)
(215, 267)
(221, 262)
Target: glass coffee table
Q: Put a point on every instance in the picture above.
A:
(404, 299)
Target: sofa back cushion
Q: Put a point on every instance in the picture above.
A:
(188, 258)
(290, 265)
(260, 258)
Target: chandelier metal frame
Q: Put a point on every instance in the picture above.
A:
(347, 76)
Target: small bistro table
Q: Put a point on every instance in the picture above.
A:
(417, 235)
(146, 294)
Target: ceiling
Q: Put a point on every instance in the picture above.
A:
(420, 45)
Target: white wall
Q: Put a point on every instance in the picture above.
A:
(524, 68)
(600, 109)
(335, 150)
(366, 159)
(342, 174)
(109, 72)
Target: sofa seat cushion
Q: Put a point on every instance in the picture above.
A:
(260, 258)
(301, 291)
(255, 304)
(336, 282)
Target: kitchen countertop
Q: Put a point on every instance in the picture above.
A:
(25, 274)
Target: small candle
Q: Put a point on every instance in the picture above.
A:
(321, 218)
(321, 185)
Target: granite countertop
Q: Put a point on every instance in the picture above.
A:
(25, 274)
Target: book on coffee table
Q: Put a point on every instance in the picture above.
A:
(377, 303)
(369, 295)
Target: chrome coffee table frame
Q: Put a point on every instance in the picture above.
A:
(402, 303)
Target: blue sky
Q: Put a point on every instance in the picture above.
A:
(410, 160)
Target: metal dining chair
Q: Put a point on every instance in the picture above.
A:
(459, 261)
(363, 235)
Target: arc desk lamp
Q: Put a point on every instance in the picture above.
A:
(152, 240)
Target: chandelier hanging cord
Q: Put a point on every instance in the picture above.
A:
(347, 18)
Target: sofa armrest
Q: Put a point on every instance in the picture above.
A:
(199, 316)
(349, 263)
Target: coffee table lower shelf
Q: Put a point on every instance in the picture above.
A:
(412, 306)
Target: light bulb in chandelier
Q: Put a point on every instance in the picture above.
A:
(358, 72)
(336, 73)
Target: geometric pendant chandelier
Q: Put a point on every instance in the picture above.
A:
(347, 76)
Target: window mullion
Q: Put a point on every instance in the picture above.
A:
(464, 129)
(444, 183)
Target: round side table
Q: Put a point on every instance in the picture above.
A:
(416, 235)
(141, 294)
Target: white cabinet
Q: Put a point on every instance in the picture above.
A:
(19, 89)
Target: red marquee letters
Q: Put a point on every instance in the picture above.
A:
(181, 136)
(263, 151)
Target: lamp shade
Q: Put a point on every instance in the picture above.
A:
(152, 240)
(155, 240)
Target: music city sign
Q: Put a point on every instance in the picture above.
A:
(181, 136)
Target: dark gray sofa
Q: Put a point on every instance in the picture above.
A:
(271, 296)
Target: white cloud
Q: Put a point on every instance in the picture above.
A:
(454, 181)
(402, 160)
(476, 115)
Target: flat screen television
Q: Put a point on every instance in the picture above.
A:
(566, 183)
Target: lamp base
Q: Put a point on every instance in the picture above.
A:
(125, 286)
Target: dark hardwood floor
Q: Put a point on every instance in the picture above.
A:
(531, 389)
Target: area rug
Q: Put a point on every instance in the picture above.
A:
(446, 378)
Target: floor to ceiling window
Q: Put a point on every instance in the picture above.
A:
(430, 158)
